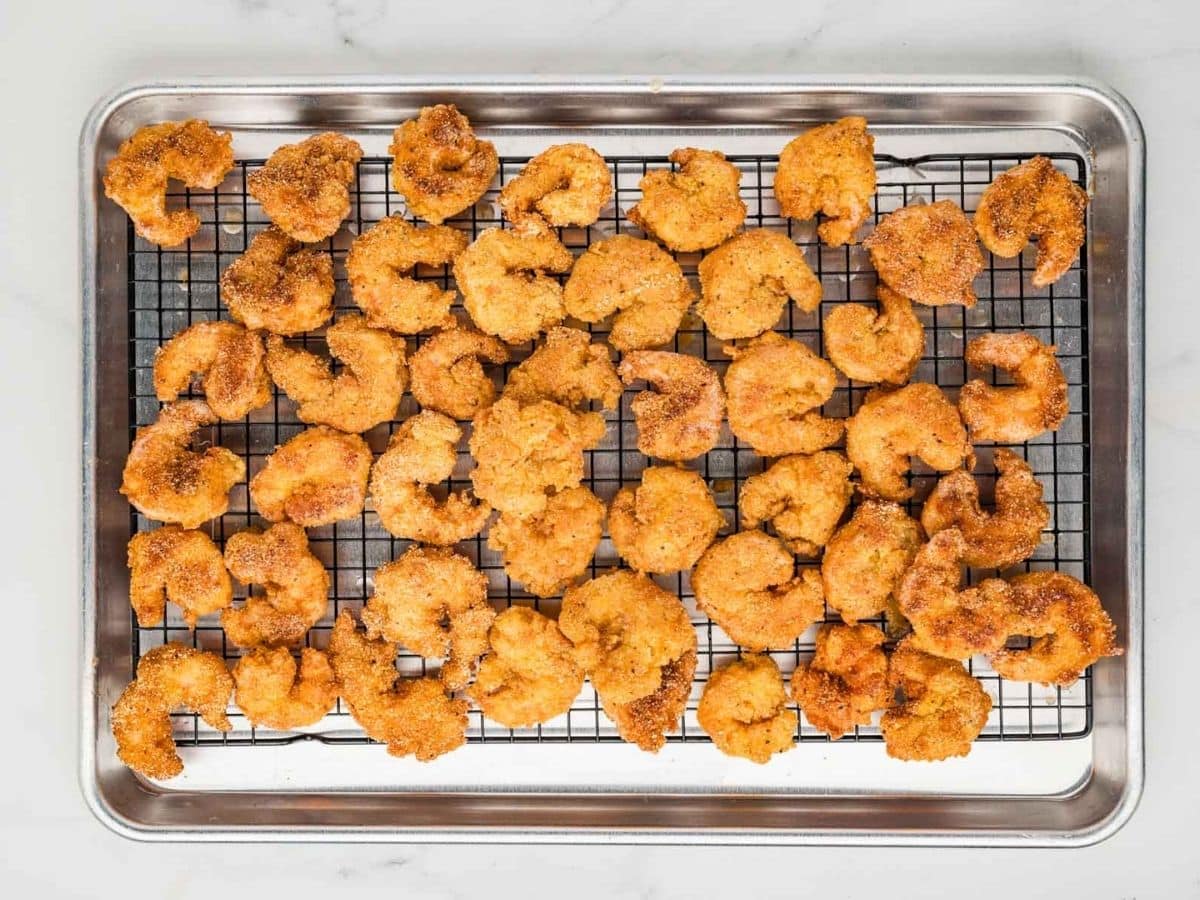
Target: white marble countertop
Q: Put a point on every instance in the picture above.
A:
(55, 59)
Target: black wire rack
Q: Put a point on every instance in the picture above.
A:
(171, 289)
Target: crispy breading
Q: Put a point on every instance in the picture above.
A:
(927, 253)
(693, 207)
(279, 285)
(566, 184)
(447, 375)
(274, 693)
(438, 164)
(744, 710)
(568, 369)
(230, 359)
(875, 346)
(846, 680)
(666, 522)
(647, 720)
(550, 549)
(682, 419)
(803, 497)
(318, 477)
(866, 557)
(304, 188)
(1011, 415)
(177, 565)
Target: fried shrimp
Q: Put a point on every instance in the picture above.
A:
(638, 281)
(626, 631)
(279, 285)
(943, 710)
(829, 169)
(274, 693)
(167, 481)
(550, 549)
(747, 281)
(316, 478)
(505, 286)
(295, 583)
(666, 522)
(846, 680)
(866, 558)
(775, 386)
(231, 360)
(802, 496)
(434, 602)
(438, 164)
(1070, 628)
(413, 716)
(566, 184)
(747, 585)
(744, 709)
(530, 675)
(693, 208)
(646, 721)
(177, 565)
(568, 369)
(304, 188)
(364, 393)
(136, 178)
(1011, 415)
(525, 451)
(915, 420)
(168, 677)
(998, 539)
(927, 253)
(682, 419)
(1034, 200)
(874, 347)
(422, 452)
(380, 266)
(447, 375)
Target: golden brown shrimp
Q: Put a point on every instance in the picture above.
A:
(548, 550)
(274, 693)
(693, 208)
(304, 188)
(231, 360)
(874, 347)
(279, 285)
(439, 166)
(866, 558)
(568, 369)
(666, 522)
(802, 496)
(566, 184)
(744, 709)
(182, 566)
(682, 419)
(646, 720)
(1011, 415)
(846, 680)
(927, 253)
(316, 478)
(447, 375)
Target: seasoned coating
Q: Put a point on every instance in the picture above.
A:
(136, 178)
(746, 282)
(413, 716)
(274, 693)
(626, 631)
(438, 164)
(434, 602)
(422, 452)
(179, 565)
(802, 496)
(846, 680)
(569, 370)
(380, 267)
(168, 482)
(775, 386)
(363, 394)
(829, 169)
(747, 585)
(530, 675)
(1070, 628)
(693, 208)
(230, 359)
(294, 581)
(1034, 200)
(447, 375)
(666, 522)
(875, 346)
(744, 710)
(279, 285)
(566, 184)
(994, 540)
(647, 720)
(168, 677)
(1010, 415)
(525, 451)
(891, 426)
(304, 188)
(638, 281)
(927, 253)
(866, 558)
(682, 419)
(943, 711)
(550, 549)
(316, 478)
(504, 282)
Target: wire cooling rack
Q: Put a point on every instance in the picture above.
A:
(170, 289)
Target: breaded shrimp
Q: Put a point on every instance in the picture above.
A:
(230, 359)
(744, 709)
(279, 285)
(167, 481)
(927, 253)
(548, 550)
(447, 375)
(874, 347)
(666, 522)
(568, 369)
(746, 282)
(380, 267)
(693, 208)
(439, 166)
(274, 693)
(866, 558)
(364, 393)
(304, 188)
(316, 478)
(646, 721)
(136, 177)
(177, 565)
(747, 584)
(682, 419)
(802, 496)
(1010, 415)
(566, 184)
(846, 680)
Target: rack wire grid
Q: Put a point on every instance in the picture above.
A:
(170, 289)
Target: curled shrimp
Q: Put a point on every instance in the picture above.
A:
(666, 522)
(1010, 415)
(279, 285)
(179, 565)
(550, 549)
(846, 680)
(447, 376)
(274, 692)
(874, 347)
(566, 184)
(316, 478)
(744, 709)
(231, 360)
(693, 208)
(439, 166)
(568, 368)
(803, 497)
(304, 188)
(928, 253)
(866, 558)
(682, 419)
